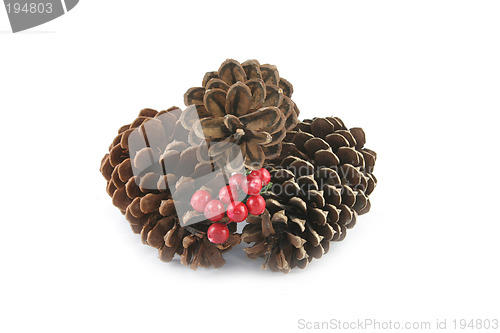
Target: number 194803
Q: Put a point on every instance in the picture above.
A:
(29, 8)
(476, 324)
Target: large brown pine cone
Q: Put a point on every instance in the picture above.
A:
(138, 181)
(246, 104)
(321, 181)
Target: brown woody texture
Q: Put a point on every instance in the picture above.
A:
(247, 104)
(322, 180)
(321, 172)
(146, 199)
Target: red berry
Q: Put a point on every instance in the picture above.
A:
(255, 173)
(214, 210)
(228, 195)
(265, 176)
(236, 180)
(199, 200)
(237, 211)
(218, 233)
(256, 205)
(252, 185)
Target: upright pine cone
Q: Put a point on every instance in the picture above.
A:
(138, 181)
(246, 104)
(322, 180)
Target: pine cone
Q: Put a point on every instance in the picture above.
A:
(138, 181)
(328, 144)
(321, 183)
(248, 105)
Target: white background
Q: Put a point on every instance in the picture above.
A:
(421, 77)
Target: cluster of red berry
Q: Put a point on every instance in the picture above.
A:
(237, 211)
